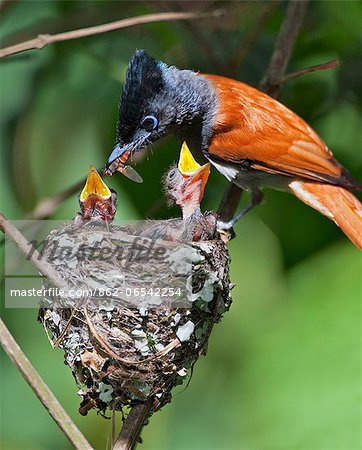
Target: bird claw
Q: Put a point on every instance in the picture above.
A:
(225, 231)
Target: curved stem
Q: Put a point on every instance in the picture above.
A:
(42, 40)
(31, 253)
(132, 426)
(41, 390)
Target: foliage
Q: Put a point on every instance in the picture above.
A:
(283, 368)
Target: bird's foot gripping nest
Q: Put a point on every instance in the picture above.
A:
(127, 345)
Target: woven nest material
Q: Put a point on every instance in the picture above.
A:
(123, 349)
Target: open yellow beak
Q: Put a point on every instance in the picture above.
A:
(189, 168)
(202, 174)
(95, 186)
(187, 164)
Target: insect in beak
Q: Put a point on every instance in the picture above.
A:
(117, 162)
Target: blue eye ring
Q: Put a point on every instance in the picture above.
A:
(149, 123)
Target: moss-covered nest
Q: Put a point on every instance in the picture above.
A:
(126, 349)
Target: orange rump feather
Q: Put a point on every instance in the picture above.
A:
(337, 203)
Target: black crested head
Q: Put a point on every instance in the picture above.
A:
(144, 81)
(158, 100)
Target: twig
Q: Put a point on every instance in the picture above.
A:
(58, 341)
(132, 426)
(102, 343)
(42, 40)
(229, 202)
(272, 82)
(318, 67)
(31, 253)
(41, 390)
(139, 413)
(48, 205)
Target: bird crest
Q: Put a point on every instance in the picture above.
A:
(144, 80)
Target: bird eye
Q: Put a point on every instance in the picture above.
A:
(172, 174)
(114, 196)
(149, 123)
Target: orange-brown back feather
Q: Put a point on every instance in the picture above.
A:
(250, 125)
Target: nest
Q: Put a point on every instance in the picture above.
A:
(124, 347)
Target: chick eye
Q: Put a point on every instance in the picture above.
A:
(172, 174)
(149, 123)
(114, 196)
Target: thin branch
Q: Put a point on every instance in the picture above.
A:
(229, 202)
(48, 205)
(318, 67)
(41, 390)
(132, 426)
(43, 40)
(31, 253)
(287, 36)
(74, 311)
(272, 82)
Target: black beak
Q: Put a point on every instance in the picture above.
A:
(117, 158)
(117, 162)
(117, 152)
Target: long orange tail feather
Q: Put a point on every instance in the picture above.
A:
(337, 203)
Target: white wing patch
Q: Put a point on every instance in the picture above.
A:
(308, 198)
(229, 172)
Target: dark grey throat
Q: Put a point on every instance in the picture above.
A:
(195, 104)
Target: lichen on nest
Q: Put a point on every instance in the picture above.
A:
(120, 351)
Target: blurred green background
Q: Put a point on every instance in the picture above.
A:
(283, 370)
